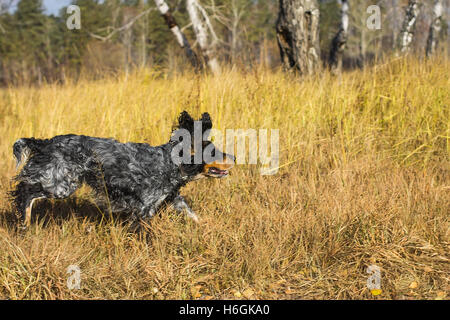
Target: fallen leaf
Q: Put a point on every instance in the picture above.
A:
(413, 285)
(343, 273)
(441, 295)
(195, 291)
(237, 294)
(376, 292)
(289, 291)
(428, 269)
(209, 297)
(248, 293)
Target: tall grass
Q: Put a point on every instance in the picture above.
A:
(363, 179)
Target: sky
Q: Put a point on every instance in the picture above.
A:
(53, 6)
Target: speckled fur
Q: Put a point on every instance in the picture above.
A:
(135, 177)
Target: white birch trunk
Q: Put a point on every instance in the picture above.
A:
(409, 24)
(435, 28)
(179, 36)
(204, 33)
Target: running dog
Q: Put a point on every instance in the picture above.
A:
(135, 177)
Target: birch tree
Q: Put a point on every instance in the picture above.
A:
(409, 25)
(179, 35)
(298, 35)
(143, 37)
(204, 32)
(340, 40)
(237, 11)
(435, 28)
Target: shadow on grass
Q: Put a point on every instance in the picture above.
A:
(51, 211)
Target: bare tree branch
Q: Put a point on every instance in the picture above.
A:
(122, 28)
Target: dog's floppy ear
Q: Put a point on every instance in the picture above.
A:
(185, 121)
(206, 122)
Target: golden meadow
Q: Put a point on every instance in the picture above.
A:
(363, 180)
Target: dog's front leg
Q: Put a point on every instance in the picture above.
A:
(180, 205)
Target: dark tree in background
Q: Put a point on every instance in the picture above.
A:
(435, 28)
(30, 41)
(340, 40)
(298, 35)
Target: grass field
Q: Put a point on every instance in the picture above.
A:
(364, 179)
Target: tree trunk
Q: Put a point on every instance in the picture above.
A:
(206, 40)
(395, 25)
(435, 28)
(236, 15)
(180, 37)
(298, 35)
(340, 40)
(409, 25)
(362, 48)
(127, 40)
(143, 37)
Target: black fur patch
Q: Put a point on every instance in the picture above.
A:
(136, 177)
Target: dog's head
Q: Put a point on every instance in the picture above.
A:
(196, 156)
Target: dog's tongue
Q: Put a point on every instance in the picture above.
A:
(218, 171)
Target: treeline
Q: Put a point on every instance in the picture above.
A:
(37, 48)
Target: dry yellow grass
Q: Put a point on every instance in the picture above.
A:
(366, 181)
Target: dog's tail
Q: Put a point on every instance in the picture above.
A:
(22, 150)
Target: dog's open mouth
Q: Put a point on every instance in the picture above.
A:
(217, 172)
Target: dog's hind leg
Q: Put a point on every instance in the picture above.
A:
(24, 196)
(28, 211)
(180, 205)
